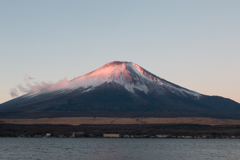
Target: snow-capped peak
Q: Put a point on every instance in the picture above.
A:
(126, 74)
(132, 76)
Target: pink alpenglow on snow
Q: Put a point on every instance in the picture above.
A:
(127, 74)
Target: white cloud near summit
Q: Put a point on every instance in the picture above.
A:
(36, 87)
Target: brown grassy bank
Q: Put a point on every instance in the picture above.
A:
(111, 120)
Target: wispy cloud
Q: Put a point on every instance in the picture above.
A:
(38, 87)
(27, 78)
(13, 92)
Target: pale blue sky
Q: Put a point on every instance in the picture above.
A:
(195, 44)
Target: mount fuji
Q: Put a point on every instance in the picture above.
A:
(117, 89)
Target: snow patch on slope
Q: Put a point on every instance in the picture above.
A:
(158, 81)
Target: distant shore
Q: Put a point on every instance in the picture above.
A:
(120, 130)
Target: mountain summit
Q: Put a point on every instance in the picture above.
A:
(133, 77)
(118, 89)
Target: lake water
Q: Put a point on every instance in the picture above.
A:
(118, 149)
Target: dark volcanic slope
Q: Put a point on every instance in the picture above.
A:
(125, 90)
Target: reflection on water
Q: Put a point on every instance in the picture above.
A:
(106, 148)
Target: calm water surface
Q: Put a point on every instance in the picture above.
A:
(106, 148)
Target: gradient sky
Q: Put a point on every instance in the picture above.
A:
(195, 44)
